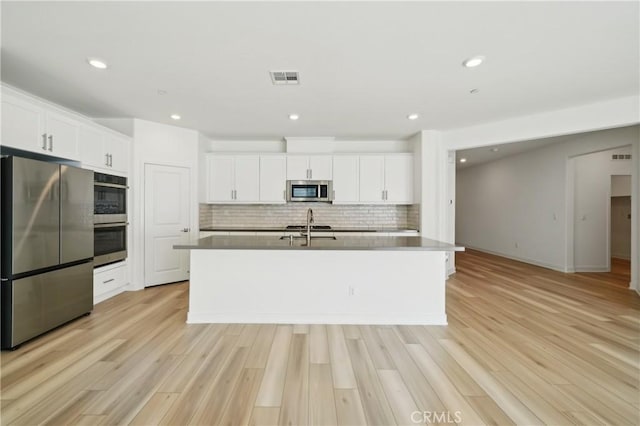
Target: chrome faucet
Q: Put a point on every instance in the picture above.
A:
(309, 222)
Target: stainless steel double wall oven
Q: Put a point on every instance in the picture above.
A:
(110, 218)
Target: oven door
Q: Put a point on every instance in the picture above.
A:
(109, 243)
(110, 203)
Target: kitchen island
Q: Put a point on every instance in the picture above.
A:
(348, 280)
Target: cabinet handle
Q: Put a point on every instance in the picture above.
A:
(310, 173)
(184, 230)
(386, 195)
(106, 161)
(232, 194)
(235, 194)
(44, 141)
(50, 142)
(108, 281)
(110, 160)
(333, 194)
(284, 194)
(383, 195)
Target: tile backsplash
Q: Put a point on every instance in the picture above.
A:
(276, 215)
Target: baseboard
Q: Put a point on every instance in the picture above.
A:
(590, 268)
(300, 318)
(518, 258)
(108, 295)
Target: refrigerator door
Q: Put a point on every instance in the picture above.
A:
(41, 302)
(76, 214)
(35, 214)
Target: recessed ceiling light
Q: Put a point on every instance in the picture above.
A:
(413, 116)
(293, 116)
(474, 91)
(473, 62)
(97, 63)
(463, 160)
(175, 116)
(495, 149)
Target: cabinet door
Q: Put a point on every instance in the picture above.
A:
(118, 149)
(219, 178)
(321, 167)
(371, 179)
(91, 147)
(297, 167)
(62, 135)
(273, 178)
(247, 179)
(345, 179)
(23, 125)
(398, 179)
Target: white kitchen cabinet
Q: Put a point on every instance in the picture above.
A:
(31, 126)
(118, 150)
(307, 167)
(386, 179)
(109, 281)
(22, 124)
(273, 179)
(100, 149)
(233, 178)
(371, 179)
(62, 135)
(346, 188)
(398, 178)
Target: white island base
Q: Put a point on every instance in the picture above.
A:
(317, 287)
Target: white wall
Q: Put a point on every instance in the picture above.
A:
(592, 203)
(621, 185)
(517, 206)
(162, 144)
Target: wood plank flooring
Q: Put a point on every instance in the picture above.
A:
(524, 345)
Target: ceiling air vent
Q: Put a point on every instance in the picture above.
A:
(621, 157)
(285, 77)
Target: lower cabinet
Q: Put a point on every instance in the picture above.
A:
(109, 281)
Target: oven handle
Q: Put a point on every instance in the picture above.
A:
(110, 225)
(110, 185)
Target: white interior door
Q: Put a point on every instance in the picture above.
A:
(166, 209)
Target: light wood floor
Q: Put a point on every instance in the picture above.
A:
(524, 346)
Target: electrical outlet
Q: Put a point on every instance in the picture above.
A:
(352, 291)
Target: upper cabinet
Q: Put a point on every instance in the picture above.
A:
(233, 178)
(273, 179)
(386, 179)
(30, 126)
(309, 167)
(102, 149)
(346, 179)
(33, 125)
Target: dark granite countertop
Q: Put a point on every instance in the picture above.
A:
(284, 229)
(410, 243)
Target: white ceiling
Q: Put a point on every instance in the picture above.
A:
(476, 156)
(363, 65)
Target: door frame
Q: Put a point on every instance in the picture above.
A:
(144, 215)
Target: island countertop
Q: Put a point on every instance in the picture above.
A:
(409, 243)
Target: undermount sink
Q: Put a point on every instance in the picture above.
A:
(313, 237)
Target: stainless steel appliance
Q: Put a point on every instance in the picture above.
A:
(47, 247)
(110, 243)
(110, 219)
(110, 198)
(310, 190)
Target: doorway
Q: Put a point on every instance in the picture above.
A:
(620, 227)
(166, 210)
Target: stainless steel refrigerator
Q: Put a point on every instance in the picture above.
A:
(47, 247)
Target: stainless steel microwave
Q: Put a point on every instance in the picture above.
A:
(310, 191)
